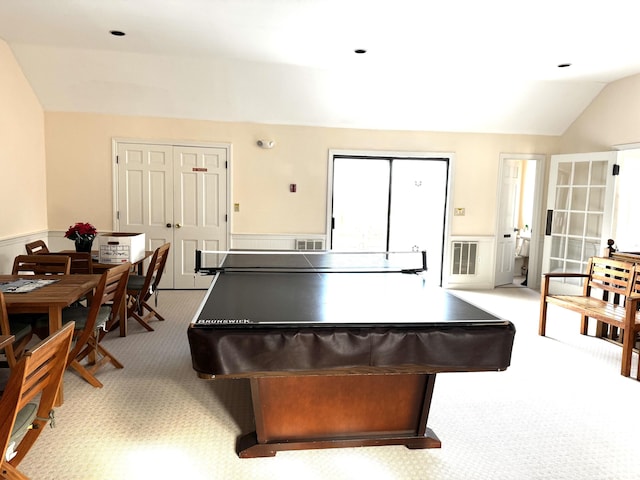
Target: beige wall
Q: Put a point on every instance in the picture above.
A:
(23, 186)
(80, 168)
(75, 183)
(613, 118)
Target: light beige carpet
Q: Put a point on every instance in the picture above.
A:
(561, 411)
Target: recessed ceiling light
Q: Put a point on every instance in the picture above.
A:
(360, 51)
(117, 33)
(564, 65)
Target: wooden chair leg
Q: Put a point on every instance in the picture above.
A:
(142, 321)
(10, 472)
(627, 352)
(152, 312)
(98, 356)
(544, 292)
(542, 324)
(584, 324)
(135, 310)
(84, 373)
(106, 357)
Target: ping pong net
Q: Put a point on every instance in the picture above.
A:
(212, 262)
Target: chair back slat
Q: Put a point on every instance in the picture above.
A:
(161, 261)
(611, 276)
(36, 247)
(38, 374)
(81, 262)
(41, 264)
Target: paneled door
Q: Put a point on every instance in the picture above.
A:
(580, 206)
(175, 194)
(507, 221)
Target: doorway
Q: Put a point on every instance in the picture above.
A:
(518, 223)
(390, 203)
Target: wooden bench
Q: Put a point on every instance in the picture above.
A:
(611, 292)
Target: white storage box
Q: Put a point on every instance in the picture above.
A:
(120, 247)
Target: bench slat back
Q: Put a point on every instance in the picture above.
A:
(612, 276)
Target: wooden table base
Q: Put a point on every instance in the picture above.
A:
(331, 411)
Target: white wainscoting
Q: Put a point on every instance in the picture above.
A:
(12, 247)
(482, 278)
(246, 241)
(482, 275)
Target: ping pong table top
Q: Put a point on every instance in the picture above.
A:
(307, 334)
(327, 289)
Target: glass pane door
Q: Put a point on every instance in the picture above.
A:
(579, 210)
(418, 198)
(391, 204)
(360, 205)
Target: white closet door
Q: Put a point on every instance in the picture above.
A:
(175, 194)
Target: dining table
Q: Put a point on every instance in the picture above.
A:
(49, 299)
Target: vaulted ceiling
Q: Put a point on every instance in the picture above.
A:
(447, 65)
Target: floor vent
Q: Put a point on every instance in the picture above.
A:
(309, 244)
(464, 256)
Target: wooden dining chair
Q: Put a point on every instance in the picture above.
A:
(140, 288)
(41, 264)
(36, 247)
(90, 321)
(27, 403)
(81, 262)
(21, 330)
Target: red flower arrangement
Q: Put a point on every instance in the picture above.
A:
(81, 231)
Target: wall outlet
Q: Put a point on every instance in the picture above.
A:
(458, 212)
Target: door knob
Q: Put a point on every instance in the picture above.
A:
(178, 225)
(169, 225)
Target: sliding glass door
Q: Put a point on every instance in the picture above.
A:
(390, 204)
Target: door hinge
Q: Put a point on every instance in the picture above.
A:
(117, 159)
(226, 164)
(118, 215)
(226, 217)
(616, 170)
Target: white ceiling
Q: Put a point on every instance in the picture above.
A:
(446, 65)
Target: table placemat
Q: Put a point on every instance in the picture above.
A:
(24, 285)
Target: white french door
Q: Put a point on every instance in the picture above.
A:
(175, 194)
(580, 206)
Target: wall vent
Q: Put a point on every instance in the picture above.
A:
(464, 258)
(302, 244)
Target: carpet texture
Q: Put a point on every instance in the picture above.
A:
(561, 411)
